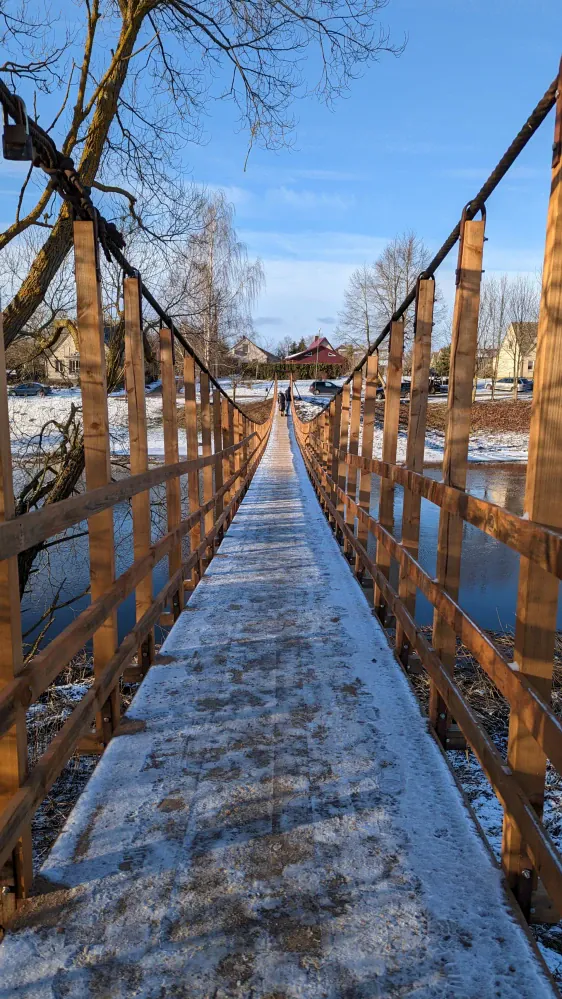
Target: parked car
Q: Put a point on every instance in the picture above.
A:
(323, 388)
(404, 390)
(506, 384)
(30, 388)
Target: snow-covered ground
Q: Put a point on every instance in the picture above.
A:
(30, 415)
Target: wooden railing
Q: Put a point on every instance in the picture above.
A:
(337, 446)
(232, 445)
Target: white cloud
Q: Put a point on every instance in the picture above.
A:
(304, 200)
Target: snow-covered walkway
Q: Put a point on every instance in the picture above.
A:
(278, 823)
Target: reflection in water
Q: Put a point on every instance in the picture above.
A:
(489, 570)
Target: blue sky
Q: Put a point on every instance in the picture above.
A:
(406, 150)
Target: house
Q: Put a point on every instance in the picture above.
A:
(518, 351)
(319, 352)
(62, 360)
(247, 352)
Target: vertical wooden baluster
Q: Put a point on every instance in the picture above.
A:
(217, 448)
(17, 874)
(389, 446)
(354, 427)
(93, 384)
(537, 598)
(334, 445)
(233, 460)
(138, 446)
(226, 442)
(171, 454)
(459, 406)
(415, 447)
(238, 454)
(344, 444)
(365, 478)
(206, 448)
(192, 454)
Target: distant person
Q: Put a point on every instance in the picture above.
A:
(281, 402)
(288, 398)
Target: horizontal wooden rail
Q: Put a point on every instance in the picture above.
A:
(544, 854)
(32, 528)
(34, 679)
(538, 543)
(43, 775)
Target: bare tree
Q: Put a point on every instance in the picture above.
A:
(357, 321)
(523, 306)
(134, 99)
(493, 320)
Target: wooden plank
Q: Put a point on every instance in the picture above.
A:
(459, 406)
(354, 427)
(369, 415)
(415, 447)
(171, 454)
(537, 598)
(93, 384)
(232, 440)
(389, 446)
(192, 452)
(344, 441)
(17, 873)
(138, 445)
(204, 394)
(335, 440)
(217, 447)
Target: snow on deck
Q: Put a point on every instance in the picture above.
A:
(278, 823)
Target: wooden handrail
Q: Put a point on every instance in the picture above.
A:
(38, 525)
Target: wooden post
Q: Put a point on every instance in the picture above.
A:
(226, 442)
(538, 591)
(415, 447)
(171, 454)
(192, 452)
(93, 383)
(16, 875)
(217, 447)
(354, 426)
(369, 412)
(344, 443)
(206, 447)
(459, 406)
(138, 446)
(389, 446)
(237, 418)
(334, 444)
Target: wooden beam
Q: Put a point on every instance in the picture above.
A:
(171, 454)
(192, 451)
(206, 445)
(389, 446)
(217, 447)
(344, 442)
(138, 446)
(369, 416)
(354, 428)
(17, 874)
(459, 407)
(93, 384)
(335, 439)
(415, 447)
(537, 598)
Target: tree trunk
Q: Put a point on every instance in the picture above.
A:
(54, 250)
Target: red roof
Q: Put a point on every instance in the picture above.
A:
(319, 351)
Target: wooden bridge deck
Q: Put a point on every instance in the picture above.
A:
(277, 823)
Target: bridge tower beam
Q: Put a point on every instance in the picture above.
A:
(537, 598)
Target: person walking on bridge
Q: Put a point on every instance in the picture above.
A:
(281, 401)
(288, 399)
